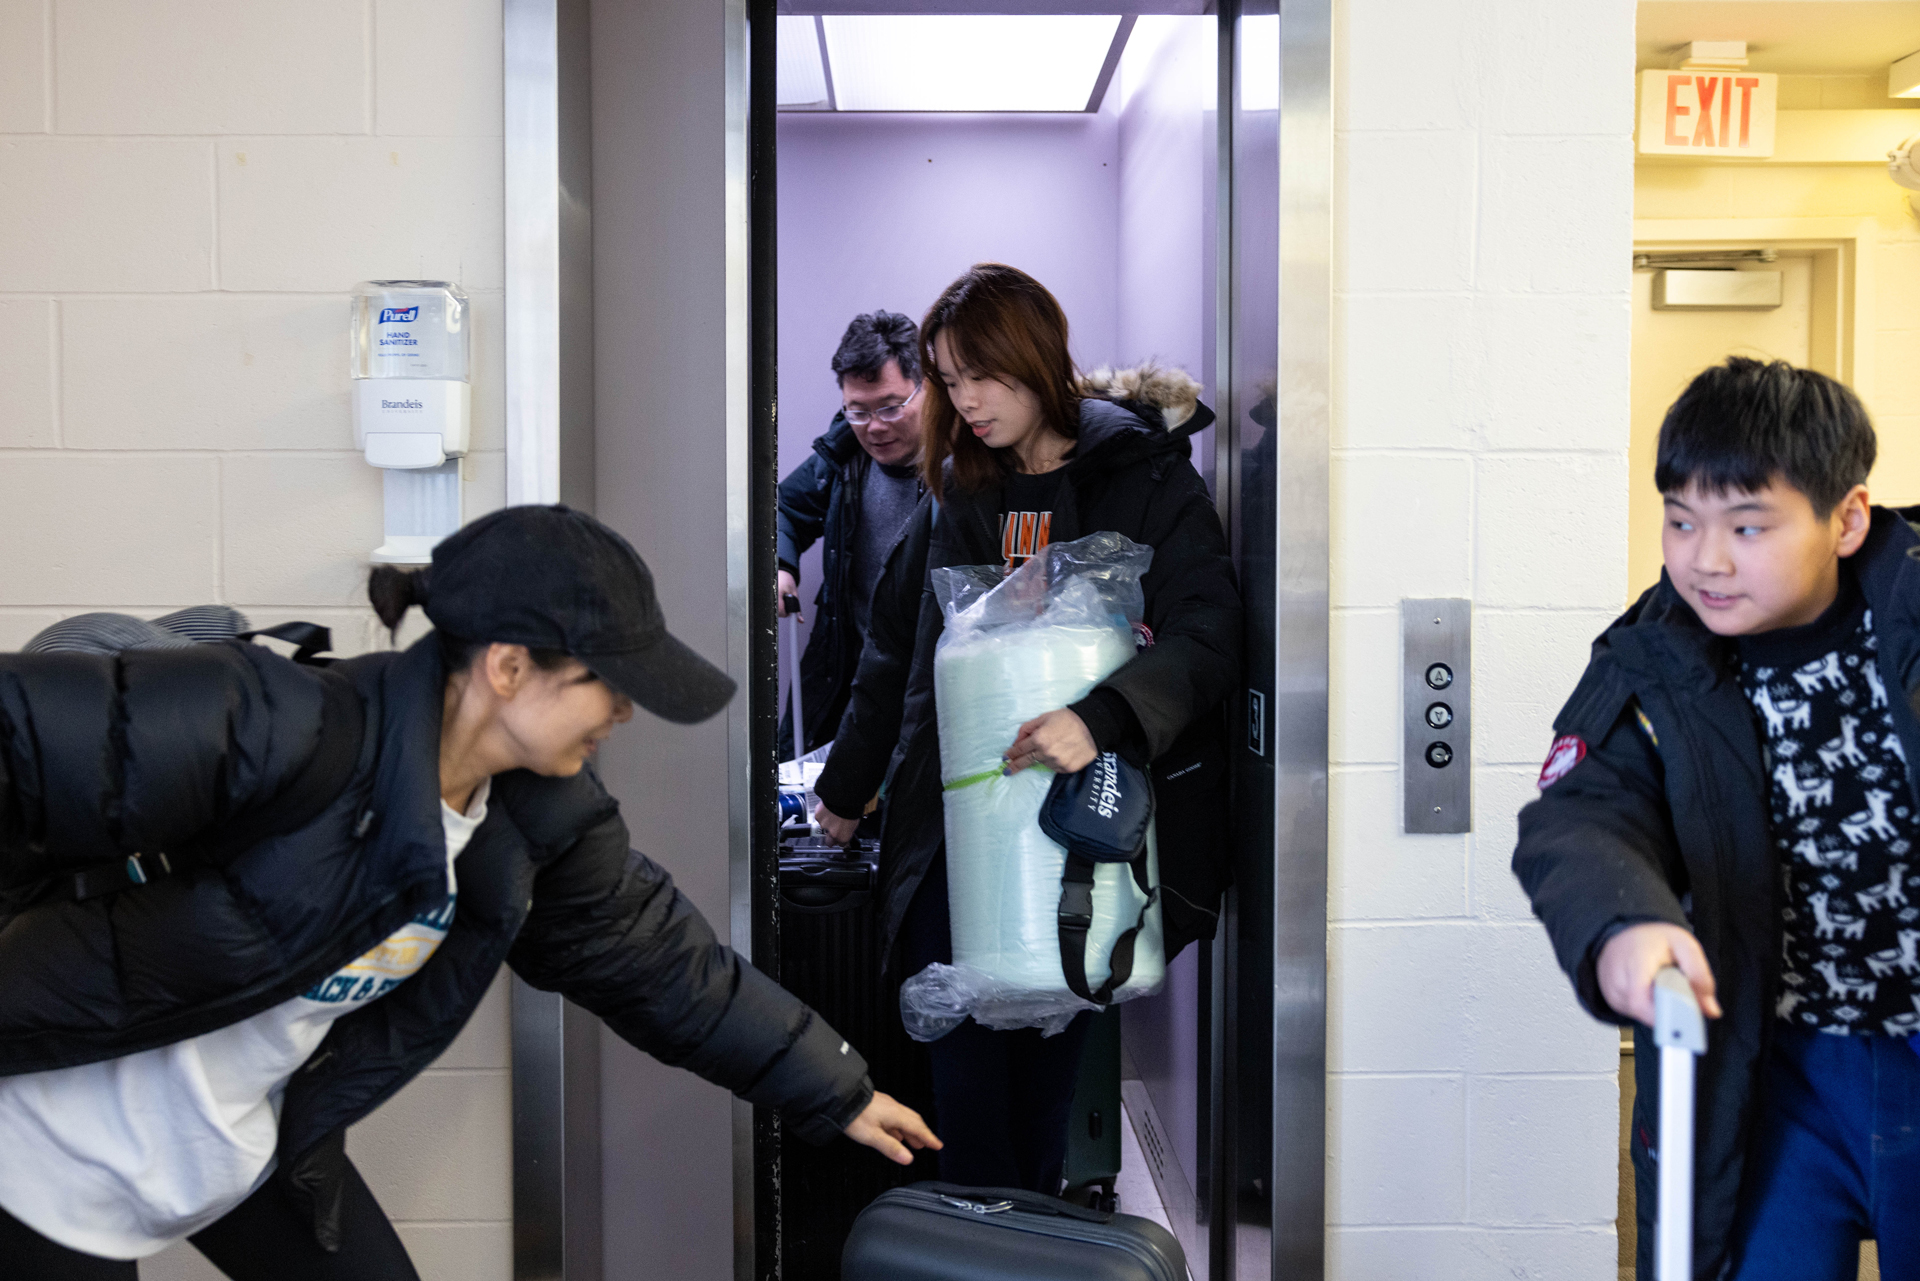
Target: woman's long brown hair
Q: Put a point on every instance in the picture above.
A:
(1003, 324)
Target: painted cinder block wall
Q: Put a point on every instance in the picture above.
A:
(1483, 215)
(187, 192)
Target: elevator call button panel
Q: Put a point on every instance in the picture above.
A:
(1436, 659)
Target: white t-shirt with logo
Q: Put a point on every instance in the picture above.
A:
(121, 1159)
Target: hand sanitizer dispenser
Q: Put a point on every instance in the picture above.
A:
(412, 406)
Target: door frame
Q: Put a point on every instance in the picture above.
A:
(549, 436)
(1841, 308)
(1842, 249)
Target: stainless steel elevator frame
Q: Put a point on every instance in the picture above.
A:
(1277, 501)
(547, 141)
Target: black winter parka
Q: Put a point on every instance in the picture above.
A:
(820, 501)
(105, 756)
(1129, 475)
(1670, 822)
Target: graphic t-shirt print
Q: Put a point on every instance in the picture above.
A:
(1023, 535)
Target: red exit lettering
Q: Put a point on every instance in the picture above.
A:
(1706, 91)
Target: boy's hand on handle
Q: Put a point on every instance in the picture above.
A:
(1057, 739)
(839, 831)
(1632, 957)
(890, 1127)
(787, 590)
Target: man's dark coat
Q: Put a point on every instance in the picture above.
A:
(820, 500)
(1678, 830)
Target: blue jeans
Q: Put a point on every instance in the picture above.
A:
(1836, 1158)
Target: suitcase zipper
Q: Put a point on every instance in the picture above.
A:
(1045, 1224)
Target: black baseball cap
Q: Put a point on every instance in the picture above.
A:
(556, 578)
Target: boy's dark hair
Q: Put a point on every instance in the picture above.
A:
(1742, 425)
(874, 338)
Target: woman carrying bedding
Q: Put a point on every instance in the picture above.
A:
(1020, 451)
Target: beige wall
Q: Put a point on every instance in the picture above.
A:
(187, 191)
(1483, 230)
(1854, 188)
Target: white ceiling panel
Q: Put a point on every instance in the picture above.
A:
(967, 62)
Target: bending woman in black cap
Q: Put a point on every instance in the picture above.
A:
(244, 900)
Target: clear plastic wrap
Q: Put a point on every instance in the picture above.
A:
(1014, 647)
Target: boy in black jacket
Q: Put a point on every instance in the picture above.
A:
(1729, 792)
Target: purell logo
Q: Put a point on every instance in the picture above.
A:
(1105, 800)
(399, 315)
(401, 404)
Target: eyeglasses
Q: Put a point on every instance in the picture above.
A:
(889, 414)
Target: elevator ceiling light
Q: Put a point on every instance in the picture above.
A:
(801, 78)
(970, 62)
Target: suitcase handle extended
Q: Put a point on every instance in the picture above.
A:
(1033, 1202)
(1680, 1031)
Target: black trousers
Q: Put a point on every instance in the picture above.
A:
(1002, 1099)
(264, 1238)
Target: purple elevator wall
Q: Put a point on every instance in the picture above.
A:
(1165, 312)
(884, 210)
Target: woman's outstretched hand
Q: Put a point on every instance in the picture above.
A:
(1057, 739)
(890, 1127)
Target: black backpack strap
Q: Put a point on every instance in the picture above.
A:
(1076, 919)
(308, 639)
(343, 723)
(343, 726)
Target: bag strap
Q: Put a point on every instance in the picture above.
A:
(343, 725)
(343, 721)
(308, 639)
(1075, 919)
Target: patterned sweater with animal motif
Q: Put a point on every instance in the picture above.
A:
(1843, 820)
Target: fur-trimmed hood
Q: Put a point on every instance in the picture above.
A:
(1174, 392)
(1145, 411)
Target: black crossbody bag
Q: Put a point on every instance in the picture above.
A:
(1099, 815)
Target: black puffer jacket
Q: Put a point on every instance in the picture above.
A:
(1129, 474)
(103, 756)
(1670, 822)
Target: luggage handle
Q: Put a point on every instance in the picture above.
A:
(994, 1200)
(1681, 1033)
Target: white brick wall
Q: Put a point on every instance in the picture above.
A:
(1483, 227)
(190, 190)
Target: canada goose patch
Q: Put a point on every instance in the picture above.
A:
(1568, 751)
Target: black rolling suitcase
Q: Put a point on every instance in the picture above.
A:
(941, 1232)
(1093, 1126)
(830, 958)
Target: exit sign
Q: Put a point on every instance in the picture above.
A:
(1707, 113)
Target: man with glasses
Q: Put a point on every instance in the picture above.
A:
(854, 493)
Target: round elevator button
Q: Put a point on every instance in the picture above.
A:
(1439, 755)
(1439, 676)
(1439, 716)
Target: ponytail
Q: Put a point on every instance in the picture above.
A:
(394, 591)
